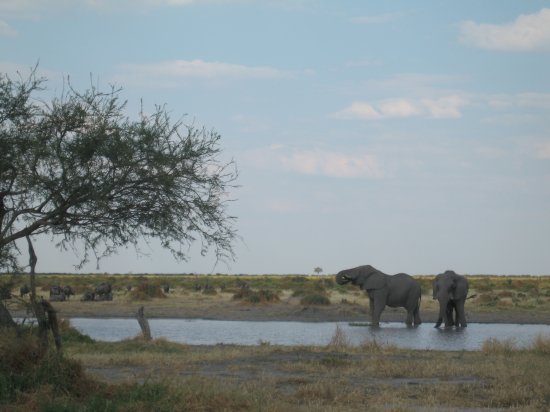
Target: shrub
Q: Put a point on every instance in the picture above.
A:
(70, 334)
(146, 291)
(315, 299)
(209, 290)
(486, 299)
(25, 370)
(260, 296)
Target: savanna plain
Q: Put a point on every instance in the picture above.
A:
(141, 375)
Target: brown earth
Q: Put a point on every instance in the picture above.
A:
(195, 306)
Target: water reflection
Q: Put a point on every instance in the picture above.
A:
(210, 332)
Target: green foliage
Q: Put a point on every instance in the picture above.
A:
(25, 369)
(79, 168)
(71, 335)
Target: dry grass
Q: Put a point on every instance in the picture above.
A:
(335, 377)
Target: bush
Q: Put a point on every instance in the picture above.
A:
(486, 299)
(315, 299)
(209, 290)
(25, 370)
(260, 296)
(70, 334)
(146, 291)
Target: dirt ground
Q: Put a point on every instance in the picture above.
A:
(286, 310)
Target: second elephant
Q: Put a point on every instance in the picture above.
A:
(399, 290)
(450, 289)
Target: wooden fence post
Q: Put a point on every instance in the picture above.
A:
(144, 324)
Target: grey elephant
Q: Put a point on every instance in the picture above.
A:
(399, 290)
(450, 289)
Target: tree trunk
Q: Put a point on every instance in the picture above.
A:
(52, 321)
(6, 321)
(144, 324)
(44, 311)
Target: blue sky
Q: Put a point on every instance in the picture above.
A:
(412, 136)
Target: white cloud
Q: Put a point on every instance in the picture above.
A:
(315, 162)
(6, 30)
(358, 110)
(447, 107)
(399, 108)
(437, 108)
(542, 149)
(527, 32)
(200, 68)
(333, 164)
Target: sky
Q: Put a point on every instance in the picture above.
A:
(411, 136)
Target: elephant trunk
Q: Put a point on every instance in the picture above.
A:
(342, 279)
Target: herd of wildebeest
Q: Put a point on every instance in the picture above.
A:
(103, 291)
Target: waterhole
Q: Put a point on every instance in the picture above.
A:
(212, 332)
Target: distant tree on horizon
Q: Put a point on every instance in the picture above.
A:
(318, 270)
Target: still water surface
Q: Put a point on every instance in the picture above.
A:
(211, 332)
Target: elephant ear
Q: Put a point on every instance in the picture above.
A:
(435, 285)
(374, 280)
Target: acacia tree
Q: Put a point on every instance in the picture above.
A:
(79, 169)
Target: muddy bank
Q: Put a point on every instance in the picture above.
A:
(280, 311)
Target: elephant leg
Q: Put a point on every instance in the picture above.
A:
(449, 314)
(416, 315)
(371, 309)
(460, 314)
(409, 320)
(442, 315)
(377, 312)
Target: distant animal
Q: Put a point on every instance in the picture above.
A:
(450, 289)
(56, 290)
(88, 296)
(24, 290)
(103, 288)
(58, 298)
(103, 291)
(400, 290)
(166, 288)
(68, 291)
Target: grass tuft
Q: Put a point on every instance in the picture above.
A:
(542, 344)
(339, 339)
(500, 347)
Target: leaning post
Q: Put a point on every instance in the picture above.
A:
(143, 324)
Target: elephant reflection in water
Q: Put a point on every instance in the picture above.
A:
(399, 290)
(450, 289)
